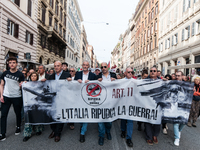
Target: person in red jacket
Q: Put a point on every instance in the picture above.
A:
(194, 112)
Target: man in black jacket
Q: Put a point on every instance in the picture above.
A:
(84, 77)
(58, 75)
(105, 127)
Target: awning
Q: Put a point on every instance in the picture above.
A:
(196, 65)
(32, 62)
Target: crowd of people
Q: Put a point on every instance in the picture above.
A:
(12, 80)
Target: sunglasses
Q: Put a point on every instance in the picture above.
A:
(130, 72)
(152, 70)
(71, 71)
(103, 67)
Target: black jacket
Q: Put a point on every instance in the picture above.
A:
(79, 75)
(47, 76)
(112, 75)
(63, 76)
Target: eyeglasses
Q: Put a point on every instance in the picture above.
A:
(130, 72)
(71, 71)
(152, 70)
(103, 67)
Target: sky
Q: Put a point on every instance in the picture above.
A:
(96, 13)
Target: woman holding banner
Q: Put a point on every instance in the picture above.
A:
(28, 128)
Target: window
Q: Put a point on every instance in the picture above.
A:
(176, 39)
(29, 7)
(65, 20)
(65, 5)
(152, 14)
(43, 41)
(168, 20)
(161, 47)
(61, 14)
(155, 26)
(184, 5)
(29, 38)
(56, 25)
(67, 53)
(156, 9)
(149, 18)
(155, 41)
(152, 29)
(50, 19)
(198, 26)
(56, 8)
(148, 32)
(165, 44)
(183, 34)
(193, 28)
(72, 56)
(17, 2)
(187, 29)
(176, 13)
(51, 3)
(60, 29)
(61, 1)
(71, 42)
(76, 59)
(12, 28)
(151, 45)
(64, 34)
(43, 14)
(168, 43)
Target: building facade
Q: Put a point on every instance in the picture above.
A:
(146, 19)
(179, 36)
(74, 19)
(83, 47)
(132, 30)
(52, 19)
(18, 31)
(90, 51)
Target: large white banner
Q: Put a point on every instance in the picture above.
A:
(150, 101)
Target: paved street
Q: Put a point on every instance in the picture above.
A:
(70, 139)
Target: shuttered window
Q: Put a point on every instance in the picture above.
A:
(29, 7)
(12, 28)
(29, 38)
(43, 14)
(17, 2)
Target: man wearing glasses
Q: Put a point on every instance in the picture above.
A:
(152, 130)
(105, 127)
(127, 125)
(178, 127)
(72, 72)
(84, 77)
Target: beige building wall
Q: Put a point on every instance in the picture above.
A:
(179, 37)
(14, 24)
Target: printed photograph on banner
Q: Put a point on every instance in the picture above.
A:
(40, 101)
(174, 97)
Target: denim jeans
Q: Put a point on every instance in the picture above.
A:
(178, 128)
(104, 128)
(127, 125)
(17, 105)
(83, 128)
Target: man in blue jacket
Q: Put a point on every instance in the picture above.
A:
(84, 77)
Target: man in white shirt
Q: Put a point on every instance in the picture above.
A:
(105, 127)
(127, 125)
(42, 75)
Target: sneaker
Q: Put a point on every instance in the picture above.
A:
(176, 142)
(165, 131)
(17, 132)
(189, 124)
(2, 138)
(194, 124)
